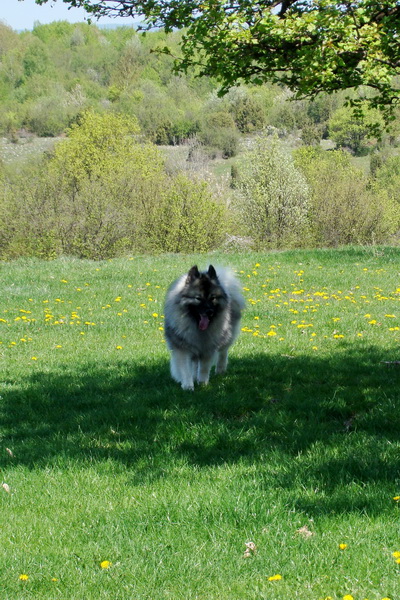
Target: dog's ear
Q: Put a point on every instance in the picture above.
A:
(193, 274)
(212, 272)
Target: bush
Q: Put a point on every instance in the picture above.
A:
(355, 133)
(344, 209)
(248, 112)
(103, 193)
(272, 196)
(48, 117)
(185, 218)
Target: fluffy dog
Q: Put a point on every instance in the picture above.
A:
(202, 319)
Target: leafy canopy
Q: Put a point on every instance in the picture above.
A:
(311, 46)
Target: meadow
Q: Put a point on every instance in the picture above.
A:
(279, 480)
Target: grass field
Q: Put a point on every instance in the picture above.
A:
(117, 484)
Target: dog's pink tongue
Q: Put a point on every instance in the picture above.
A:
(204, 322)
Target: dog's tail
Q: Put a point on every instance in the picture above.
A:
(232, 286)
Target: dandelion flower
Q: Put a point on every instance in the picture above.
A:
(24, 577)
(275, 577)
(396, 498)
(342, 546)
(396, 554)
(348, 597)
(105, 564)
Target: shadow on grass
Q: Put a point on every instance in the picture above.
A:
(332, 423)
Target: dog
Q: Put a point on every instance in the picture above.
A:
(202, 320)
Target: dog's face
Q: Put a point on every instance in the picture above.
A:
(203, 296)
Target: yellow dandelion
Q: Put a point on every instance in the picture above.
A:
(342, 546)
(118, 347)
(24, 577)
(348, 597)
(275, 577)
(34, 358)
(396, 498)
(155, 315)
(271, 333)
(105, 564)
(396, 554)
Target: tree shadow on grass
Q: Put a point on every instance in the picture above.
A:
(341, 416)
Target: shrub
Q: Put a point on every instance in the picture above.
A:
(272, 196)
(348, 131)
(103, 193)
(185, 218)
(343, 209)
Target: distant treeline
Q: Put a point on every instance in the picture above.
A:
(50, 75)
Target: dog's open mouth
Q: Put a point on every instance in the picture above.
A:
(204, 322)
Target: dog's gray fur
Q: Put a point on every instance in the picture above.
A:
(202, 320)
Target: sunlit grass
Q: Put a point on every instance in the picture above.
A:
(118, 484)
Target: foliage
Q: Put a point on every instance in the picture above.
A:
(308, 46)
(343, 209)
(272, 195)
(387, 182)
(183, 218)
(218, 131)
(103, 192)
(52, 74)
(345, 130)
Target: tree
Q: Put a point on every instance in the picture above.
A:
(346, 131)
(310, 46)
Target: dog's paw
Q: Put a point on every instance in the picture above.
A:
(188, 386)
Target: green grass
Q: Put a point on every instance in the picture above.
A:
(106, 458)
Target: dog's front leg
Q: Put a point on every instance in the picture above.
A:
(182, 369)
(222, 361)
(205, 365)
